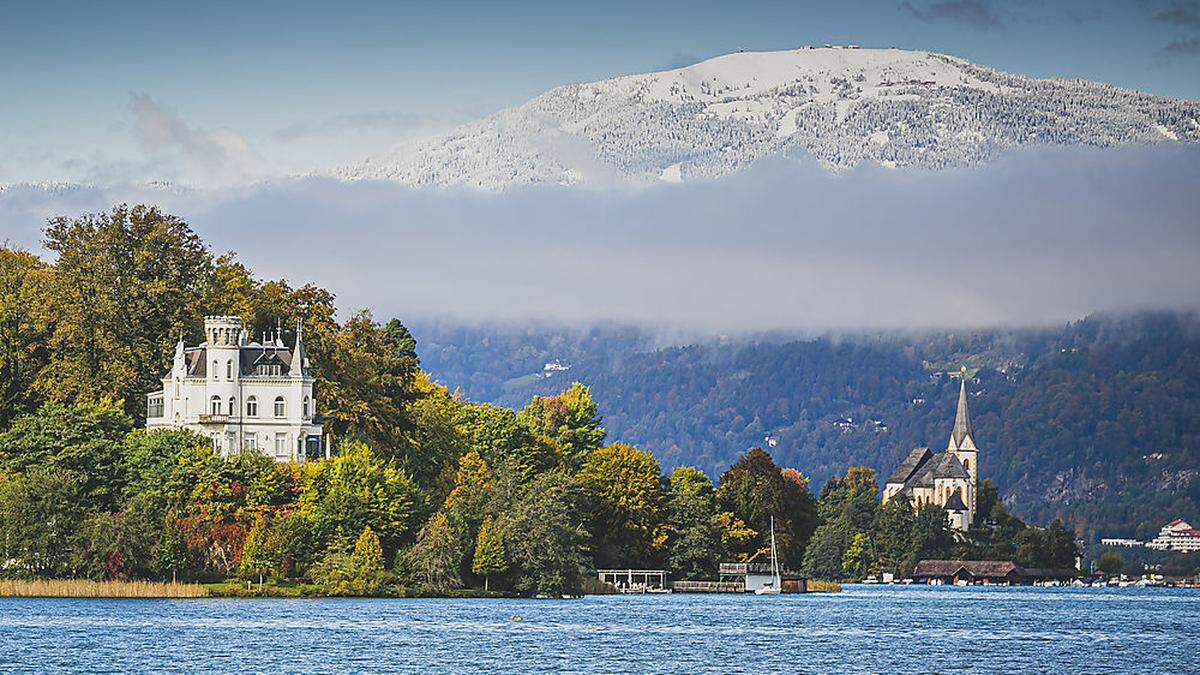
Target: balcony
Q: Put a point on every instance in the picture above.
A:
(214, 419)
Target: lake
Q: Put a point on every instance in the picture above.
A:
(865, 628)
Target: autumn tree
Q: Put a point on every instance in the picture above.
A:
(755, 489)
(570, 419)
(624, 488)
(25, 325)
(489, 552)
(127, 285)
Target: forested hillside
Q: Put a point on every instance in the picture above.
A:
(1097, 421)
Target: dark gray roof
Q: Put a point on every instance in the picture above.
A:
(955, 503)
(949, 466)
(196, 362)
(196, 359)
(916, 457)
(962, 418)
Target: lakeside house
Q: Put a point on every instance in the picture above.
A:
(241, 394)
(986, 573)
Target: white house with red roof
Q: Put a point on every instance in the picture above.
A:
(1176, 535)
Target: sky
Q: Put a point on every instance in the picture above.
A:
(134, 91)
(229, 96)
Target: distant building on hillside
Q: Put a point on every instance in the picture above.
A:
(1116, 541)
(947, 479)
(242, 395)
(1176, 535)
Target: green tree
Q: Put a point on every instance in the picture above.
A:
(257, 556)
(570, 419)
(695, 531)
(434, 559)
(506, 444)
(117, 545)
(1111, 563)
(40, 512)
(489, 552)
(84, 439)
(356, 489)
(894, 534)
(127, 284)
(366, 563)
(25, 287)
(628, 519)
(755, 489)
(545, 536)
(859, 557)
(171, 554)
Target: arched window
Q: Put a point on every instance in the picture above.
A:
(216, 405)
(279, 407)
(232, 406)
(214, 370)
(229, 370)
(252, 406)
(305, 407)
(967, 465)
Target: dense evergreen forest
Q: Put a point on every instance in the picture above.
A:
(1096, 422)
(427, 491)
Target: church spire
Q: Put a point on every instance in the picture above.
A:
(962, 418)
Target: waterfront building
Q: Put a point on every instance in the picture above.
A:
(242, 395)
(947, 479)
(1176, 535)
(985, 572)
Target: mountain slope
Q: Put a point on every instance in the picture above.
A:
(842, 106)
(1098, 421)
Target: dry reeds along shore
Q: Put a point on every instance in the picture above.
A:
(82, 588)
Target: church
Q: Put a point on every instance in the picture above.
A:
(947, 479)
(243, 395)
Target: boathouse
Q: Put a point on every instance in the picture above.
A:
(985, 572)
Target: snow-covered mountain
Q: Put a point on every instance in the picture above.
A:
(842, 106)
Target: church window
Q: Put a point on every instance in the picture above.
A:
(252, 406)
(279, 407)
(216, 405)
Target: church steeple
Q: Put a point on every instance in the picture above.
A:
(963, 417)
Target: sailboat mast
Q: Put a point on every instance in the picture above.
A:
(774, 556)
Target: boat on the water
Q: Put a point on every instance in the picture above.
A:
(776, 585)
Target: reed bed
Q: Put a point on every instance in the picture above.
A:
(818, 586)
(82, 588)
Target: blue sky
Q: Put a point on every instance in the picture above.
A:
(107, 92)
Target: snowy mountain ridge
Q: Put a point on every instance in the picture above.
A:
(842, 106)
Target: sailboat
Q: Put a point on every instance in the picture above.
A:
(776, 585)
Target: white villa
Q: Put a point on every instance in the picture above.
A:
(243, 395)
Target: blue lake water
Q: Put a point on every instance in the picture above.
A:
(875, 629)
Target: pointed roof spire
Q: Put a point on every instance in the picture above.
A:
(298, 356)
(962, 418)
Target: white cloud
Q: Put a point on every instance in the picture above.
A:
(187, 154)
(1041, 235)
